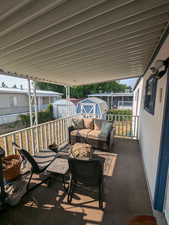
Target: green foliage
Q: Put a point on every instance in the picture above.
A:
(83, 91)
(120, 114)
(43, 116)
(50, 87)
(120, 111)
(25, 119)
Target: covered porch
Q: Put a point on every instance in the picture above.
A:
(73, 43)
(125, 192)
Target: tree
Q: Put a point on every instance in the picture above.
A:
(83, 91)
(50, 87)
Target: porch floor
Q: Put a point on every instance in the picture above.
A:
(126, 195)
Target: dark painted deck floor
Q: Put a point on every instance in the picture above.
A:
(126, 195)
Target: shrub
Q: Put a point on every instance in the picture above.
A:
(25, 119)
(120, 114)
(120, 111)
(43, 116)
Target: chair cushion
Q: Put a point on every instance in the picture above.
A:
(81, 132)
(97, 135)
(106, 128)
(78, 123)
(88, 123)
(97, 124)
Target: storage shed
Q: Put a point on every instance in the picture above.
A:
(93, 106)
(63, 108)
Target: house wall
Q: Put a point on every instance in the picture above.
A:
(8, 100)
(13, 104)
(151, 125)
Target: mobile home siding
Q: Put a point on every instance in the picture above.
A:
(151, 125)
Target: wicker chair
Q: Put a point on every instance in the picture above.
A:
(36, 168)
(88, 173)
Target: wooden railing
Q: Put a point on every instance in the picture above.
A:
(37, 137)
(125, 125)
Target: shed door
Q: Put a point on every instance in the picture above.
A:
(88, 108)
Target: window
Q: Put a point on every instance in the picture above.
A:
(150, 94)
(12, 101)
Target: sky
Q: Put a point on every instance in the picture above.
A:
(130, 82)
(10, 81)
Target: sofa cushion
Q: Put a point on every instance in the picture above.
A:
(97, 135)
(88, 123)
(81, 132)
(81, 151)
(97, 124)
(78, 123)
(106, 128)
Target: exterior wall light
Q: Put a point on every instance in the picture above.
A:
(160, 68)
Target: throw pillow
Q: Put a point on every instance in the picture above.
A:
(78, 123)
(88, 123)
(81, 151)
(106, 128)
(97, 124)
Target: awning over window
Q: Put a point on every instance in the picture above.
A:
(74, 42)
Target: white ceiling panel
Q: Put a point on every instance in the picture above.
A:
(75, 42)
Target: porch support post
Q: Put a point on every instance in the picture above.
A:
(68, 98)
(35, 104)
(39, 103)
(30, 102)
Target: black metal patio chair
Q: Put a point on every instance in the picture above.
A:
(36, 167)
(87, 173)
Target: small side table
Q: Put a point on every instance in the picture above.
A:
(59, 166)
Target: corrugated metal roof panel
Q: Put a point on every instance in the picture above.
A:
(80, 42)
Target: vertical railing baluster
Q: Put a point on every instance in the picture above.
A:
(13, 140)
(20, 140)
(5, 145)
(27, 139)
(131, 127)
(37, 140)
(61, 126)
(46, 139)
(41, 137)
(55, 130)
(52, 133)
(49, 133)
(33, 140)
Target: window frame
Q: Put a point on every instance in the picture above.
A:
(151, 85)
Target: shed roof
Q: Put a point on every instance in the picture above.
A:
(94, 100)
(63, 102)
(80, 42)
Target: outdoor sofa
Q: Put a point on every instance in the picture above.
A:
(96, 132)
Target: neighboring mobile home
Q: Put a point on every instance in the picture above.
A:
(122, 100)
(15, 101)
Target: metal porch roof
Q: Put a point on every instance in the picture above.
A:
(75, 42)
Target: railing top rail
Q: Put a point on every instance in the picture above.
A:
(35, 126)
